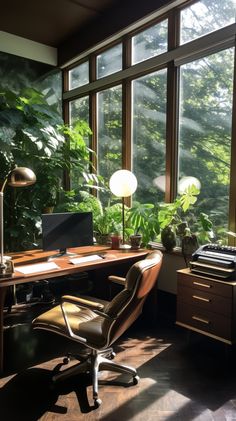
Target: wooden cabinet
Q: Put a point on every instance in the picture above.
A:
(206, 305)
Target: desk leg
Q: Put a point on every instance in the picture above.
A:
(2, 299)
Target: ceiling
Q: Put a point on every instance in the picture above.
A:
(71, 26)
(50, 22)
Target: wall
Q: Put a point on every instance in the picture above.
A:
(167, 280)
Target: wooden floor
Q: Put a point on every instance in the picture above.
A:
(178, 380)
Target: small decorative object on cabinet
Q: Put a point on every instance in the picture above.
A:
(207, 305)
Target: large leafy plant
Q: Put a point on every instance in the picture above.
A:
(32, 134)
(143, 219)
(180, 215)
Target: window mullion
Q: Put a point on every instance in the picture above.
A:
(171, 120)
(232, 192)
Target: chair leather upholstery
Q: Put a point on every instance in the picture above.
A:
(99, 323)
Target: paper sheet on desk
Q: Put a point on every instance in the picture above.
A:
(40, 267)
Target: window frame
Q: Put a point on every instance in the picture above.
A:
(175, 56)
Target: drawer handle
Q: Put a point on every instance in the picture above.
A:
(199, 319)
(196, 297)
(201, 285)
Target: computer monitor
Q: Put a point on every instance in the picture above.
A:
(66, 230)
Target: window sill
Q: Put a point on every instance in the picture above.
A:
(158, 246)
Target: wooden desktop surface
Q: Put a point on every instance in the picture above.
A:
(110, 258)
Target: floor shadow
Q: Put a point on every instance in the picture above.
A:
(199, 376)
(30, 394)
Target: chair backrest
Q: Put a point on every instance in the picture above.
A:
(128, 304)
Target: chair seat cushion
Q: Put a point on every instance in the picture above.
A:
(83, 322)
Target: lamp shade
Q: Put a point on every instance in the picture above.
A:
(21, 177)
(123, 183)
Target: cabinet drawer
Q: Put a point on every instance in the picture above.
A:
(205, 300)
(206, 321)
(203, 284)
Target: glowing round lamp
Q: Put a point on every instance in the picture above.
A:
(123, 183)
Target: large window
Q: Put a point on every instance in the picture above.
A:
(206, 16)
(149, 135)
(110, 61)
(79, 75)
(79, 111)
(205, 130)
(160, 102)
(150, 43)
(109, 132)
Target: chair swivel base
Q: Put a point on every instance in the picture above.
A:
(94, 363)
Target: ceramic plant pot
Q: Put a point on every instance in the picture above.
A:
(135, 241)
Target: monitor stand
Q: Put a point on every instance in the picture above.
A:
(62, 253)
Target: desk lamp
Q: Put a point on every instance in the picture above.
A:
(123, 183)
(18, 177)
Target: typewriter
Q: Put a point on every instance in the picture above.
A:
(214, 260)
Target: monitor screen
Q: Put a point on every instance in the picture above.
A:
(66, 230)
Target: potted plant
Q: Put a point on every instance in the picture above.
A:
(172, 223)
(172, 217)
(142, 219)
(108, 223)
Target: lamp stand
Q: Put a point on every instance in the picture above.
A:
(123, 184)
(124, 246)
(2, 264)
(6, 264)
(18, 177)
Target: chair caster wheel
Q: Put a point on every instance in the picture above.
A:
(97, 403)
(136, 380)
(66, 360)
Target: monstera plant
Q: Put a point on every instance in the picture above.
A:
(32, 134)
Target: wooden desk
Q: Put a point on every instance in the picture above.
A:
(111, 258)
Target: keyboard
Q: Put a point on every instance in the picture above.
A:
(85, 259)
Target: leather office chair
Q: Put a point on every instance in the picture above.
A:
(98, 324)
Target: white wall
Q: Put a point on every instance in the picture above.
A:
(26, 48)
(167, 280)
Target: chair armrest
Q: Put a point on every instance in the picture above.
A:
(93, 305)
(117, 279)
(96, 307)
